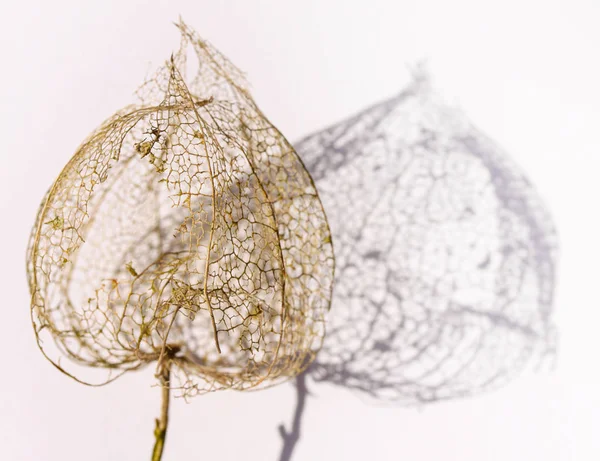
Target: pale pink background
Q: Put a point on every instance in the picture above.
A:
(526, 72)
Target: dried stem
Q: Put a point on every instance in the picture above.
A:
(160, 431)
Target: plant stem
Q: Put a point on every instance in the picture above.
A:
(160, 431)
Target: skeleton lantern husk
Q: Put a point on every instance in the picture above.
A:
(184, 231)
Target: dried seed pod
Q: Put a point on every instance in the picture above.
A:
(185, 230)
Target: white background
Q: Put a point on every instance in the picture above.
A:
(526, 72)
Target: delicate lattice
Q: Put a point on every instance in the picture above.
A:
(184, 229)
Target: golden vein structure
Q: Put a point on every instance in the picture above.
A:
(184, 231)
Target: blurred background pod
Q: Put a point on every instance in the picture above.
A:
(445, 256)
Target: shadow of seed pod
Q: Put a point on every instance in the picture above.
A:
(445, 256)
(184, 232)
